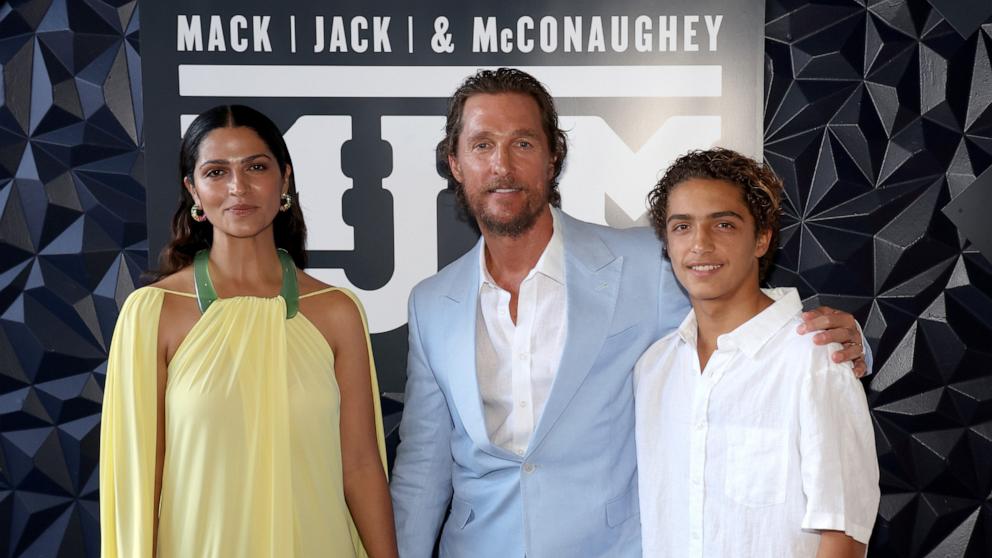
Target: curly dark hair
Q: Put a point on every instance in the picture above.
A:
(190, 236)
(501, 80)
(761, 188)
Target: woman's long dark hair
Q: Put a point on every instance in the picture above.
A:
(189, 236)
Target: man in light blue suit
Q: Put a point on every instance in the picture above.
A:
(519, 403)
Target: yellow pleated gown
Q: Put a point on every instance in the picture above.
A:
(253, 450)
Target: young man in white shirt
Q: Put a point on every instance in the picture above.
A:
(751, 440)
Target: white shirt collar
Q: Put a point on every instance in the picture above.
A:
(551, 264)
(752, 335)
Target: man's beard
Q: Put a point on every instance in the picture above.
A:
(517, 225)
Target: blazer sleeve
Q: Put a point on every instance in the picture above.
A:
(421, 485)
(129, 428)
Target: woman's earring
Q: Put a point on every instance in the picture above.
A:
(197, 213)
(287, 202)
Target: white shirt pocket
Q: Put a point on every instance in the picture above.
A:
(756, 465)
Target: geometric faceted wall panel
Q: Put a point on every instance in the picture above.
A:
(72, 244)
(878, 117)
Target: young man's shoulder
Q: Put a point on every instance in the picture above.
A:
(799, 351)
(666, 344)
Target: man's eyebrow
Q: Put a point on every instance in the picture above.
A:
(717, 215)
(478, 134)
(530, 132)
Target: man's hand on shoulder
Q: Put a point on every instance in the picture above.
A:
(836, 326)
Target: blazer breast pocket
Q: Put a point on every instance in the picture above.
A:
(623, 332)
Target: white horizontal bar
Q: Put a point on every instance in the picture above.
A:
(440, 81)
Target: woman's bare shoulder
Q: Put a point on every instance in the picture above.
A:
(308, 284)
(329, 308)
(328, 296)
(180, 310)
(180, 282)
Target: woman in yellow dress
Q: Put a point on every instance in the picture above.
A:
(241, 411)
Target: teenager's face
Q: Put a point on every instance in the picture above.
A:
(237, 182)
(711, 240)
(503, 162)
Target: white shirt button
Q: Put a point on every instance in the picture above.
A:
(517, 361)
(519, 451)
(529, 467)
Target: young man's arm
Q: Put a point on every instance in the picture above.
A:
(836, 544)
(837, 456)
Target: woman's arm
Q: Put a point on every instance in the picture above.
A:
(159, 445)
(365, 487)
(179, 315)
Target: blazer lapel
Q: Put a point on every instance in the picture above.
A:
(592, 282)
(462, 299)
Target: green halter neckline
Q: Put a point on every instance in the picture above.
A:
(206, 295)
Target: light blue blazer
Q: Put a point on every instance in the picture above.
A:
(574, 492)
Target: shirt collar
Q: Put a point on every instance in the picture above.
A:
(753, 334)
(551, 264)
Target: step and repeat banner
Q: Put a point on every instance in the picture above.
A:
(360, 91)
(877, 115)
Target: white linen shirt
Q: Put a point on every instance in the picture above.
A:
(769, 444)
(516, 363)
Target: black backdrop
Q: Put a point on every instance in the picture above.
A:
(878, 116)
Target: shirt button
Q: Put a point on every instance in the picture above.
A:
(523, 404)
(523, 356)
(529, 467)
(701, 425)
(519, 451)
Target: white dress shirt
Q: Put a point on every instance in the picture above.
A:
(516, 363)
(769, 444)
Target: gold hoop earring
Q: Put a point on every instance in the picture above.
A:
(287, 202)
(197, 213)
